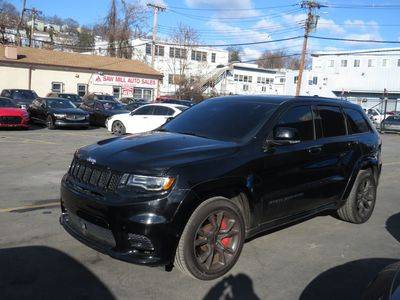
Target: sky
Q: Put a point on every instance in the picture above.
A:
(243, 21)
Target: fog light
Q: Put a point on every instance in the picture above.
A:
(140, 242)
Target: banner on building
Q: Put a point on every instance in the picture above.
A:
(125, 82)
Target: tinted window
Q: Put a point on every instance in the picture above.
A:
(394, 119)
(111, 105)
(146, 110)
(163, 111)
(55, 103)
(355, 121)
(23, 94)
(301, 120)
(222, 119)
(330, 121)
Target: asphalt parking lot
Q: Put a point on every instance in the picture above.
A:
(321, 258)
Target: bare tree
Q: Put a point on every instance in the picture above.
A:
(8, 19)
(234, 53)
(278, 60)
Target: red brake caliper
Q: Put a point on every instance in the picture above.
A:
(225, 241)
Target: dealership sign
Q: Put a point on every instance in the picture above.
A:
(125, 82)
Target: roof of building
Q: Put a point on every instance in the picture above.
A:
(352, 52)
(53, 58)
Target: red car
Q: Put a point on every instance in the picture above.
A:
(11, 115)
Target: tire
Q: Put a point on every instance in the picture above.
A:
(118, 128)
(50, 123)
(361, 201)
(218, 246)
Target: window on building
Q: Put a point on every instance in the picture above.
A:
(315, 80)
(370, 63)
(117, 91)
(282, 80)
(258, 79)
(263, 89)
(236, 77)
(82, 89)
(301, 120)
(174, 78)
(343, 63)
(250, 78)
(245, 87)
(330, 122)
(213, 57)
(355, 121)
(159, 50)
(245, 78)
(57, 87)
(295, 79)
(263, 80)
(148, 49)
(177, 52)
(142, 93)
(384, 62)
(199, 55)
(356, 63)
(398, 62)
(240, 77)
(332, 63)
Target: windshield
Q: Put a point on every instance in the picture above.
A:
(71, 97)
(28, 95)
(222, 119)
(112, 105)
(60, 103)
(6, 103)
(105, 97)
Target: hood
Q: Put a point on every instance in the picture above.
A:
(12, 111)
(75, 111)
(154, 152)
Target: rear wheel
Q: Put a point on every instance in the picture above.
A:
(118, 128)
(212, 240)
(361, 201)
(50, 122)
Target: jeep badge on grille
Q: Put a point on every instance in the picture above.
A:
(91, 160)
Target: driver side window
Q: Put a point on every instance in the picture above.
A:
(295, 124)
(143, 111)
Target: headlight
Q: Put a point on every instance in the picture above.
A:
(60, 116)
(149, 183)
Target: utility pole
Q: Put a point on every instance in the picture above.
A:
(310, 25)
(18, 39)
(156, 8)
(34, 14)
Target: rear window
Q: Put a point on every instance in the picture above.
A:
(330, 121)
(356, 122)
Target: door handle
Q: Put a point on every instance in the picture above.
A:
(314, 150)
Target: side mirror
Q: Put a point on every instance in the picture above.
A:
(282, 136)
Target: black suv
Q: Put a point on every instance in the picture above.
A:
(223, 171)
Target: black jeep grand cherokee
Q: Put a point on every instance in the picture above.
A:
(226, 169)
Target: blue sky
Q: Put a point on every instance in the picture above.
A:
(238, 21)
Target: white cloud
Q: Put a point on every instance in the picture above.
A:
(267, 24)
(294, 18)
(227, 8)
(251, 53)
(330, 25)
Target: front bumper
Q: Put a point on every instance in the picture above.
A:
(114, 225)
(64, 123)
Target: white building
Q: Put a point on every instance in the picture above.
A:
(360, 76)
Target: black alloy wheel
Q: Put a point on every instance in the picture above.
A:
(118, 128)
(216, 242)
(365, 197)
(212, 240)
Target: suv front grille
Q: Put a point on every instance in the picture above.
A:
(10, 120)
(100, 177)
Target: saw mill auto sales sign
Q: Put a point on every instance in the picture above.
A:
(124, 81)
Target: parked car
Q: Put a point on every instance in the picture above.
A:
(133, 105)
(386, 285)
(129, 100)
(145, 118)
(20, 97)
(391, 123)
(377, 116)
(57, 112)
(100, 110)
(74, 98)
(180, 102)
(11, 115)
(99, 96)
(219, 173)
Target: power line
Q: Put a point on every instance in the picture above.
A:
(231, 9)
(354, 40)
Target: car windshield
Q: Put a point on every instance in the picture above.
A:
(222, 119)
(105, 97)
(60, 103)
(111, 105)
(71, 97)
(21, 94)
(6, 103)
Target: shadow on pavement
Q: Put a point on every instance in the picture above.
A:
(233, 287)
(38, 272)
(393, 226)
(347, 281)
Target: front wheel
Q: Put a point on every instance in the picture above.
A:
(118, 128)
(212, 240)
(50, 122)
